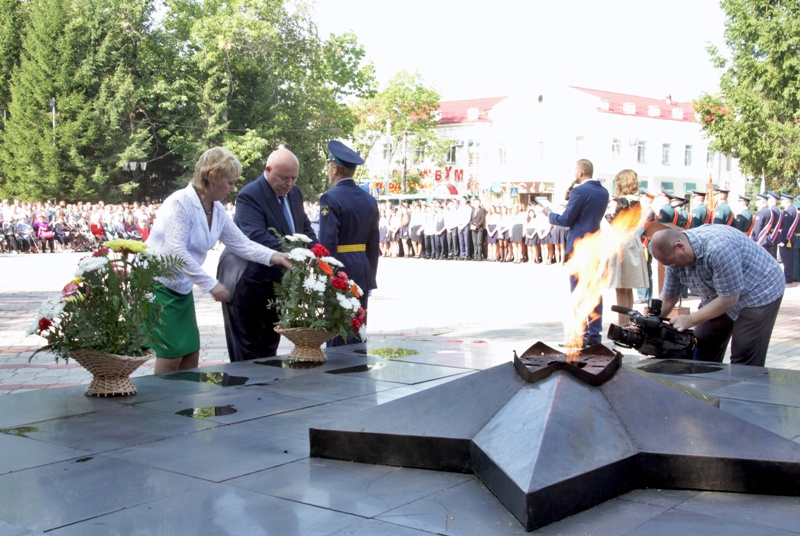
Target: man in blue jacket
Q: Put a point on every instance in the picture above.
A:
(585, 209)
(272, 201)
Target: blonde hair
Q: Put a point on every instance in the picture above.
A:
(214, 166)
(626, 183)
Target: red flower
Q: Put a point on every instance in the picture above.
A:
(101, 252)
(356, 323)
(320, 251)
(69, 290)
(361, 312)
(339, 283)
(44, 324)
(341, 274)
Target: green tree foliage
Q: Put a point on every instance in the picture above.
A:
(408, 105)
(756, 117)
(247, 74)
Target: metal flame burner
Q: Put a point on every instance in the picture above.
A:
(593, 365)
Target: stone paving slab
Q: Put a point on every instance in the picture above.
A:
(506, 306)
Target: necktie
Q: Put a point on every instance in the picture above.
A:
(286, 212)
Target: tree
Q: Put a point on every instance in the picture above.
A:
(263, 78)
(408, 105)
(756, 116)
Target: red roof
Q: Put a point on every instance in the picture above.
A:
(633, 105)
(454, 112)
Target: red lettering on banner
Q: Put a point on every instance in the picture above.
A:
(437, 175)
(447, 171)
(458, 175)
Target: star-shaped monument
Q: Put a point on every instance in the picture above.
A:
(558, 446)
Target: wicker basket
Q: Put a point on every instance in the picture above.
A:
(111, 372)
(307, 343)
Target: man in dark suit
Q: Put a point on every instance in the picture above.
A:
(348, 225)
(271, 201)
(585, 209)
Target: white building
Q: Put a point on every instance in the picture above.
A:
(509, 148)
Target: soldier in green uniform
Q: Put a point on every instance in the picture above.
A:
(700, 210)
(744, 218)
(722, 211)
(666, 213)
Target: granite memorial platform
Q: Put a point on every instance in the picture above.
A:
(225, 450)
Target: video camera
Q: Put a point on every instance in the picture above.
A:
(652, 335)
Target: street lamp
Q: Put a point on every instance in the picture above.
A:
(132, 167)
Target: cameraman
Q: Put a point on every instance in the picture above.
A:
(740, 287)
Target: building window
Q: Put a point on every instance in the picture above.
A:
(709, 159)
(616, 149)
(687, 155)
(579, 145)
(665, 154)
(641, 152)
(419, 154)
(689, 186)
(668, 186)
(450, 157)
(502, 156)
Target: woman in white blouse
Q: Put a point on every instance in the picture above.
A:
(188, 224)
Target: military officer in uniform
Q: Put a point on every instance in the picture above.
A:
(700, 210)
(790, 218)
(763, 220)
(679, 204)
(796, 243)
(744, 219)
(666, 212)
(722, 211)
(348, 224)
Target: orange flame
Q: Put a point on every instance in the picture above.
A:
(588, 263)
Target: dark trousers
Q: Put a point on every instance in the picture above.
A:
(249, 332)
(787, 258)
(750, 333)
(430, 246)
(594, 322)
(452, 242)
(440, 242)
(478, 239)
(463, 242)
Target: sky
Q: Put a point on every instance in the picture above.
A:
(473, 49)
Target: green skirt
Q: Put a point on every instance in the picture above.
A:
(176, 333)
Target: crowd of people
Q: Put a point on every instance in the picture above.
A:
(41, 227)
(463, 229)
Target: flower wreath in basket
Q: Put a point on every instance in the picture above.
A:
(109, 306)
(316, 293)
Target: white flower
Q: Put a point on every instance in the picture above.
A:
(332, 261)
(354, 304)
(311, 284)
(344, 302)
(52, 307)
(149, 296)
(301, 254)
(90, 264)
(298, 237)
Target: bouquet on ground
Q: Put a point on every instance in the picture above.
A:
(109, 306)
(316, 293)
